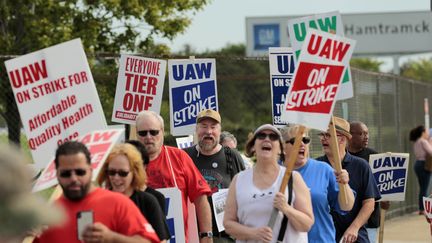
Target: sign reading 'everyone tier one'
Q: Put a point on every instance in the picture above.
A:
(56, 97)
(139, 87)
(317, 77)
(193, 88)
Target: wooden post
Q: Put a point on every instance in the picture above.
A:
(56, 194)
(132, 132)
(289, 164)
(381, 230)
(336, 160)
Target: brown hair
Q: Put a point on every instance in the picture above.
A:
(135, 164)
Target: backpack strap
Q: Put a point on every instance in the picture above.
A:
(233, 165)
(284, 223)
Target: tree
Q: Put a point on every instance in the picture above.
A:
(366, 64)
(103, 26)
(418, 70)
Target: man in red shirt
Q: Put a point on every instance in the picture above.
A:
(172, 167)
(115, 217)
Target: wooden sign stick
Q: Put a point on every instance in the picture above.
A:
(381, 230)
(289, 164)
(336, 160)
(132, 132)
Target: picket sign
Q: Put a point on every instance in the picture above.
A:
(289, 164)
(336, 160)
(381, 230)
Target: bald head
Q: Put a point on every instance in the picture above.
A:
(360, 136)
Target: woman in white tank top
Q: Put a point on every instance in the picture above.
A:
(254, 193)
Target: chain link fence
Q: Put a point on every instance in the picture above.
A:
(389, 105)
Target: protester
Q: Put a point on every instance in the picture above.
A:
(229, 140)
(322, 182)
(172, 167)
(123, 172)
(254, 193)
(422, 148)
(217, 164)
(20, 210)
(350, 226)
(116, 218)
(358, 146)
(159, 196)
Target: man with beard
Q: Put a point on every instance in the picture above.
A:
(350, 226)
(358, 146)
(216, 163)
(171, 167)
(115, 217)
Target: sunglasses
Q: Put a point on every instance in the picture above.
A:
(271, 136)
(121, 173)
(68, 173)
(144, 133)
(305, 140)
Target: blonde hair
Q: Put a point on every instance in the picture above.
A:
(135, 163)
(291, 131)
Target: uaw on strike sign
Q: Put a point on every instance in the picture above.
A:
(311, 97)
(192, 89)
(56, 97)
(139, 87)
(99, 144)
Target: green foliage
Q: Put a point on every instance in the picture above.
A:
(104, 26)
(366, 64)
(418, 70)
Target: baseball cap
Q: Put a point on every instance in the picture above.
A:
(208, 113)
(268, 127)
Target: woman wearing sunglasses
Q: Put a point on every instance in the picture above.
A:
(123, 172)
(254, 193)
(322, 182)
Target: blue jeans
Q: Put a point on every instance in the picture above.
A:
(372, 234)
(423, 177)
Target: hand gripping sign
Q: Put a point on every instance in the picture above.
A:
(56, 97)
(326, 22)
(140, 84)
(310, 99)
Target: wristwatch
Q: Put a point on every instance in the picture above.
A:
(208, 234)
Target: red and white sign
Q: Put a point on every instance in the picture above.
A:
(56, 97)
(140, 84)
(427, 203)
(99, 144)
(311, 97)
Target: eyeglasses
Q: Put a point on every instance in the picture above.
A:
(271, 136)
(143, 133)
(68, 173)
(325, 135)
(121, 173)
(305, 140)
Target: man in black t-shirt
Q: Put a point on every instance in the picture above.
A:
(358, 147)
(217, 164)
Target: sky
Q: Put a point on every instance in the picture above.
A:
(223, 21)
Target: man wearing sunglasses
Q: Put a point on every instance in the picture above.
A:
(216, 163)
(172, 167)
(350, 226)
(115, 217)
